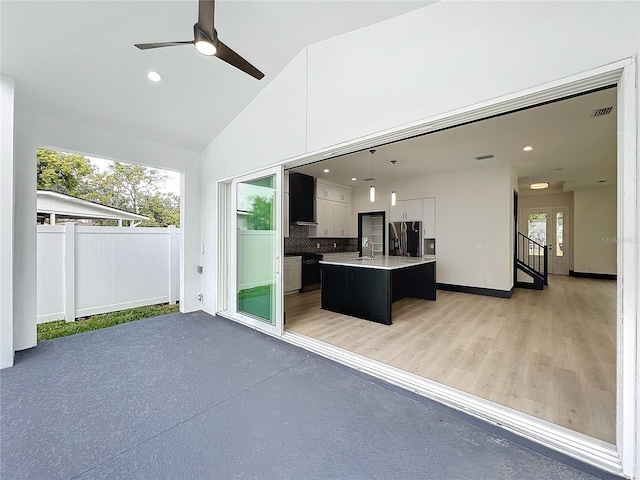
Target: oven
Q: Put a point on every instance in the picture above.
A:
(311, 271)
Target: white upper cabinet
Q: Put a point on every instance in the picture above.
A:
(406, 210)
(429, 217)
(333, 211)
(324, 191)
(342, 195)
(333, 192)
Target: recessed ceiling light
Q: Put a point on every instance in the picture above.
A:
(528, 148)
(326, 170)
(154, 76)
(353, 179)
(539, 186)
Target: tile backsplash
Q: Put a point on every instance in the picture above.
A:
(299, 242)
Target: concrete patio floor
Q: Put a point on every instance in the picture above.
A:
(199, 397)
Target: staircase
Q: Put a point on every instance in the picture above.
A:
(531, 258)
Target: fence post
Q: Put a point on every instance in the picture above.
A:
(69, 272)
(172, 291)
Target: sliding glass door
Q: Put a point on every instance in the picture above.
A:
(257, 260)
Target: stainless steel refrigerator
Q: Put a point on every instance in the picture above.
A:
(405, 239)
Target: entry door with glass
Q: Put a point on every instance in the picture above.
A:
(547, 226)
(257, 262)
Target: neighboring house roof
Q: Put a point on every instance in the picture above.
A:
(67, 206)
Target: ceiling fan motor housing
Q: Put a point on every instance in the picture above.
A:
(199, 35)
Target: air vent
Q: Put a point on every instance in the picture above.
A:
(368, 179)
(601, 112)
(484, 157)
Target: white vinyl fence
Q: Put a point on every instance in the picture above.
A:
(86, 270)
(256, 263)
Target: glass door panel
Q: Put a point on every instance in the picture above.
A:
(258, 240)
(559, 234)
(256, 222)
(537, 229)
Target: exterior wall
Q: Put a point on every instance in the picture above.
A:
(452, 54)
(595, 230)
(7, 89)
(34, 131)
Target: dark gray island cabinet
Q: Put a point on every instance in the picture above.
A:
(366, 288)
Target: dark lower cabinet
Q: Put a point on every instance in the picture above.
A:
(359, 292)
(368, 292)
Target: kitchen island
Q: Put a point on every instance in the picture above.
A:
(366, 288)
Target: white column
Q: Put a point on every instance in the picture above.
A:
(52, 219)
(172, 271)
(69, 272)
(6, 220)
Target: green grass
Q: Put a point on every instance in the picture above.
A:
(257, 301)
(60, 328)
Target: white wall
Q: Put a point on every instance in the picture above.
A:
(595, 230)
(474, 232)
(33, 131)
(6, 218)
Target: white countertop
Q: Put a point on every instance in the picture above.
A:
(382, 262)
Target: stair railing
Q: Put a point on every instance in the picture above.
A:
(533, 255)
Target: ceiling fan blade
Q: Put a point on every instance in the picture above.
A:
(147, 46)
(206, 13)
(232, 58)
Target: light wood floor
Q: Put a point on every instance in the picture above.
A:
(551, 353)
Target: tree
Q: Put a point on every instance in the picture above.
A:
(132, 188)
(63, 172)
(135, 188)
(162, 210)
(260, 216)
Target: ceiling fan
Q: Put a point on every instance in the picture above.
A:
(205, 39)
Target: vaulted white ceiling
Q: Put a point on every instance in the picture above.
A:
(75, 60)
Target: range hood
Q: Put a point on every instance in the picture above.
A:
(302, 199)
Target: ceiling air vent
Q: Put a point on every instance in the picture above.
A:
(601, 112)
(485, 157)
(368, 179)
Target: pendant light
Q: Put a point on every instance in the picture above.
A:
(372, 188)
(393, 182)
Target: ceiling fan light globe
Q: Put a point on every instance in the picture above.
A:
(205, 48)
